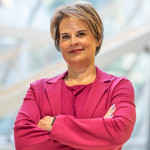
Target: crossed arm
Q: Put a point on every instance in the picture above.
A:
(45, 123)
(68, 133)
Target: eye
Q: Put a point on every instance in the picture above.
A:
(81, 34)
(65, 37)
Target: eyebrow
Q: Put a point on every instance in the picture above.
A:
(63, 33)
(81, 31)
(77, 32)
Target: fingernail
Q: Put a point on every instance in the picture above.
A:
(112, 104)
(113, 108)
(111, 115)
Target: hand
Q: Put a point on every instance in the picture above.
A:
(45, 123)
(110, 112)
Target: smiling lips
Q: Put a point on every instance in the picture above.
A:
(76, 51)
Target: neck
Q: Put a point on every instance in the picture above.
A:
(79, 74)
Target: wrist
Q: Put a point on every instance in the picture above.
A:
(53, 121)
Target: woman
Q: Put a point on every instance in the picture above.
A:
(84, 108)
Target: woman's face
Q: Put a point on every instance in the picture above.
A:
(77, 43)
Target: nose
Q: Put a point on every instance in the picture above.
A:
(74, 41)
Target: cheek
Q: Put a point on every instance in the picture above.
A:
(89, 42)
(63, 50)
(90, 46)
(63, 46)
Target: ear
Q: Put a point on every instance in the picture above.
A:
(98, 42)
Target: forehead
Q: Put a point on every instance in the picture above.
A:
(72, 24)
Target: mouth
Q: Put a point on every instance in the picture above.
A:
(76, 51)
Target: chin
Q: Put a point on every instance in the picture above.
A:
(77, 61)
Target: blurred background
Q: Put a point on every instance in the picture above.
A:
(27, 53)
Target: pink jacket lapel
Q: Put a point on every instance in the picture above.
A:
(96, 93)
(54, 89)
(99, 87)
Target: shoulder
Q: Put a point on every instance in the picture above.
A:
(121, 86)
(46, 81)
(121, 81)
(38, 82)
(115, 82)
(111, 80)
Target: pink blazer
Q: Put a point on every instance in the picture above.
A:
(92, 131)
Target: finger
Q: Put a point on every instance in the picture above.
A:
(111, 116)
(110, 112)
(113, 105)
(108, 116)
(113, 110)
(39, 125)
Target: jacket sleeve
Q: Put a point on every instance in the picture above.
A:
(27, 134)
(100, 133)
